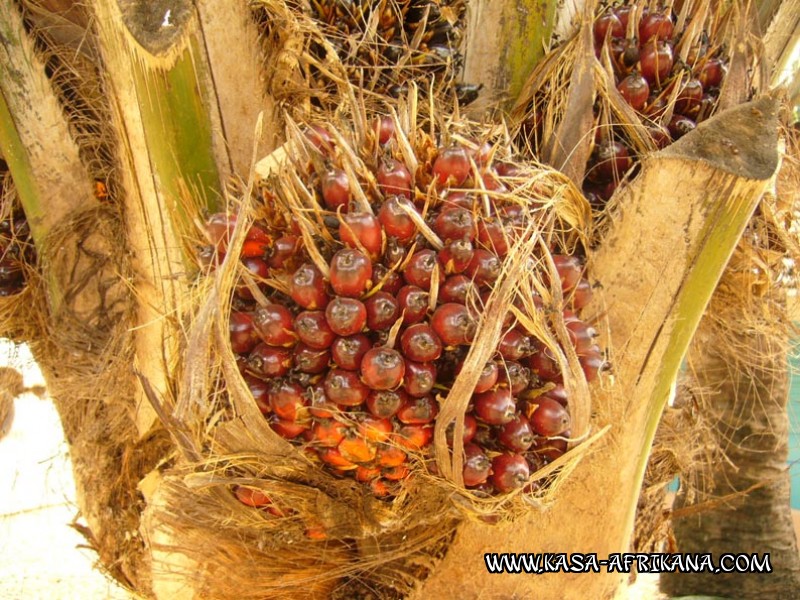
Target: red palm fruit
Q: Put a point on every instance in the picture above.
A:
(635, 90)
(458, 200)
(548, 417)
(488, 378)
(517, 434)
(457, 288)
(592, 362)
(347, 352)
(351, 273)
(219, 227)
(611, 161)
(389, 281)
(623, 14)
(381, 488)
(310, 360)
(477, 466)
(454, 223)
(493, 236)
(395, 220)
(328, 432)
(320, 138)
(712, 73)
(655, 62)
(515, 376)
(680, 125)
(363, 227)
(544, 364)
(515, 345)
(394, 178)
(394, 254)
(307, 287)
(382, 311)
(452, 167)
(287, 399)
(470, 428)
(660, 136)
(419, 269)
(453, 324)
(569, 270)
(283, 250)
(385, 403)
(418, 411)
(384, 129)
(420, 343)
(689, 98)
(318, 403)
(414, 437)
(363, 473)
(274, 325)
(357, 449)
(509, 472)
(413, 303)
(374, 429)
(550, 449)
(484, 268)
(313, 330)
(581, 296)
(334, 458)
(492, 182)
(456, 256)
(346, 316)
(419, 378)
(557, 393)
(255, 249)
(390, 456)
(242, 333)
(382, 369)
(345, 388)
(252, 497)
(496, 407)
(287, 429)
(655, 25)
(269, 361)
(260, 391)
(581, 335)
(397, 473)
(335, 189)
(607, 24)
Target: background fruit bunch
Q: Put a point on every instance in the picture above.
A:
(364, 283)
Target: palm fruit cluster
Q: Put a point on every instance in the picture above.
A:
(352, 318)
(383, 43)
(16, 248)
(669, 75)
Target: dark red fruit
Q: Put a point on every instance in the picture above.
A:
(660, 136)
(351, 273)
(454, 223)
(690, 98)
(456, 256)
(515, 376)
(611, 160)
(457, 288)
(418, 411)
(320, 138)
(394, 178)
(283, 250)
(347, 352)
(515, 345)
(287, 429)
(569, 270)
(680, 125)
(312, 328)
(635, 90)
(385, 403)
(336, 189)
(484, 268)
(655, 25)
(517, 434)
(605, 23)
(388, 281)
(419, 269)
(470, 428)
(453, 324)
(509, 472)
(548, 417)
(384, 127)
(242, 333)
(655, 62)
(260, 391)
(269, 361)
(543, 363)
(382, 369)
(274, 325)
(307, 287)
(413, 304)
(345, 388)
(496, 407)
(592, 362)
(219, 227)
(488, 378)
(477, 466)
(382, 311)
(287, 399)
(361, 228)
(395, 220)
(419, 378)
(420, 343)
(581, 335)
(452, 167)
(492, 235)
(712, 73)
(557, 393)
(310, 360)
(346, 316)
(318, 403)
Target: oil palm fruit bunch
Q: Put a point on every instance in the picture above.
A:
(666, 68)
(365, 278)
(16, 245)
